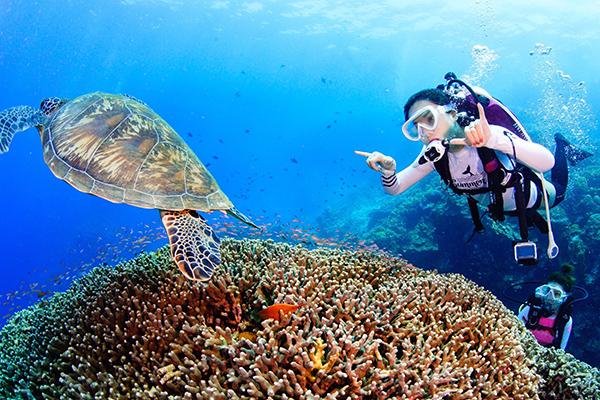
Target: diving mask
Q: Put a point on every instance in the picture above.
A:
(424, 118)
(551, 294)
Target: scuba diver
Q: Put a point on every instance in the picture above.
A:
(547, 312)
(480, 149)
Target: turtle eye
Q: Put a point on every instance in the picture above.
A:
(51, 104)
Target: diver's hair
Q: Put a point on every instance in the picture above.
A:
(436, 96)
(565, 277)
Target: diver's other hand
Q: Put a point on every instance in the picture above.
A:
(379, 162)
(478, 132)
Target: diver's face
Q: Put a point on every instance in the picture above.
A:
(552, 295)
(444, 122)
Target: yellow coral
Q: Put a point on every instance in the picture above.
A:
(317, 356)
(167, 373)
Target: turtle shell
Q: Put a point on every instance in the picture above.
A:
(117, 148)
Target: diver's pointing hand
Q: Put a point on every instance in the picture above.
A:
(378, 162)
(362, 153)
(478, 132)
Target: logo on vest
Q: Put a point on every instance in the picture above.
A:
(468, 171)
(470, 180)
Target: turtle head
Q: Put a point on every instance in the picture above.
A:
(51, 104)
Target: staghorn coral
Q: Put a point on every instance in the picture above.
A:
(369, 326)
(396, 224)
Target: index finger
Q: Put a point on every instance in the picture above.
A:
(481, 112)
(362, 153)
(459, 141)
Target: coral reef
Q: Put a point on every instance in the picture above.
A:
(564, 377)
(429, 226)
(367, 326)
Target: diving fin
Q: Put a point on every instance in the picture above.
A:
(573, 154)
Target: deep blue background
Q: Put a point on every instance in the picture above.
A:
(273, 96)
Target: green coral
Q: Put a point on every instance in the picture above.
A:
(565, 378)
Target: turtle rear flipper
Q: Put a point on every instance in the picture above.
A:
(194, 246)
(17, 119)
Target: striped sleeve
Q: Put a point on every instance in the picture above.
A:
(389, 180)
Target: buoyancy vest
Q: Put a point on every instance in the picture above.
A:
(499, 178)
(536, 321)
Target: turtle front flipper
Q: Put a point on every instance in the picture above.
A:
(17, 119)
(194, 246)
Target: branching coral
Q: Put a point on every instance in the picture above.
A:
(431, 228)
(370, 326)
(564, 377)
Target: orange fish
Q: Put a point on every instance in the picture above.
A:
(272, 312)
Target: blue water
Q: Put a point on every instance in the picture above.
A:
(272, 96)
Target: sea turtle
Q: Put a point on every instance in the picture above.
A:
(116, 147)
